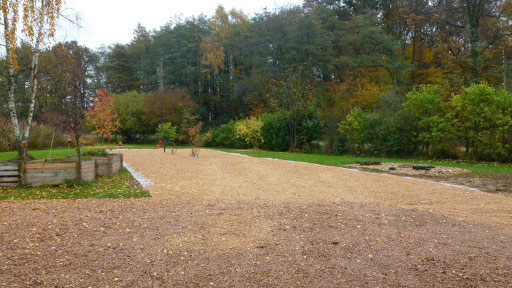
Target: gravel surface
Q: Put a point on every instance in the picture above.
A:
(231, 221)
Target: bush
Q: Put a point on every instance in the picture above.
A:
(6, 135)
(341, 146)
(479, 117)
(352, 130)
(276, 134)
(249, 130)
(40, 136)
(225, 136)
(379, 133)
(166, 132)
(433, 124)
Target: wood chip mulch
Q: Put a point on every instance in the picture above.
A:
(231, 221)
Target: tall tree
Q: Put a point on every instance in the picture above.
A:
(120, 70)
(38, 25)
(101, 116)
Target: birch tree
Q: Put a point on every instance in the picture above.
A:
(38, 24)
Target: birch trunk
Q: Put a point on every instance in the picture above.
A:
(12, 73)
(34, 67)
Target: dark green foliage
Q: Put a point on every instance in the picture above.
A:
(387, 130)
(341, 145)
(120, 71)
(224, 136)
(274, 132)
(276, 126)
(95, 152)
(389, 134)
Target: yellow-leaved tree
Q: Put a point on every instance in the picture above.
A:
(38, 24)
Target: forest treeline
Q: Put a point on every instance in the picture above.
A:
(377, 77)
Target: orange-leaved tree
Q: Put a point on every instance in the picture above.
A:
(102, 116)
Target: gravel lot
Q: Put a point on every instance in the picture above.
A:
(232, 221)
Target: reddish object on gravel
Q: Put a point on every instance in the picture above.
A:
(160, 144)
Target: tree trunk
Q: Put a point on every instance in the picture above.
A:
(12, 71)
(34, 67)
(79, 163)
(474, 13)
(504, 64)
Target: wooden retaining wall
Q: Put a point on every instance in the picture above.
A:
(108, 165)
(9, 174)
(39, 173)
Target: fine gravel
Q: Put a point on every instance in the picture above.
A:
(232, 221)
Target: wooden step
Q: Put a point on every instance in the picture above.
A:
(8, 184)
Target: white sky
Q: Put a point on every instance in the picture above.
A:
(105, 22)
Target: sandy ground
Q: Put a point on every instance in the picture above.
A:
(232, 221)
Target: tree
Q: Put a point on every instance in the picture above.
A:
(66, 69)
(191, 133)
(101, 116)
(167, 106)
(434, 126)
(293, 95)
(129, 108)
(476, 117)
(74, 123)
(166, 131)
(144, 58)
(120, 71)
(353, 128)
(366, 45)
(39, 24)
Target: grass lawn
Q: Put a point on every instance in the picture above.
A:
(334, 160)
(60, 153)
(119, 185)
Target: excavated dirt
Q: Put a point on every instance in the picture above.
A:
(407, 169)
(232, 221)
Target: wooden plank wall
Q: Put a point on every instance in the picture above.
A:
(45, 173)
(116, 162)
(102, 166)
(9, 174)
(37, 173)
(88, 170)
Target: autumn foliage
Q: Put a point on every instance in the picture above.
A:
(101, 116)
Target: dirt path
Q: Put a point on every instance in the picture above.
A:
(232, 221)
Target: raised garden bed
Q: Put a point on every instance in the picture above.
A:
(9, 174)
(37, 173)
(106, 164)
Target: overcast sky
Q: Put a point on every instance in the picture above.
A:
(105, 22)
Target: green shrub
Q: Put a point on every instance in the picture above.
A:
(276, 130)
(225, 136)
(341, 146)
(379, 133)
(433, 124)
(352, 129)
(95, 152)
(480, 116)
(166, 132)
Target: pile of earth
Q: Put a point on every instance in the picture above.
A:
(409, 169)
